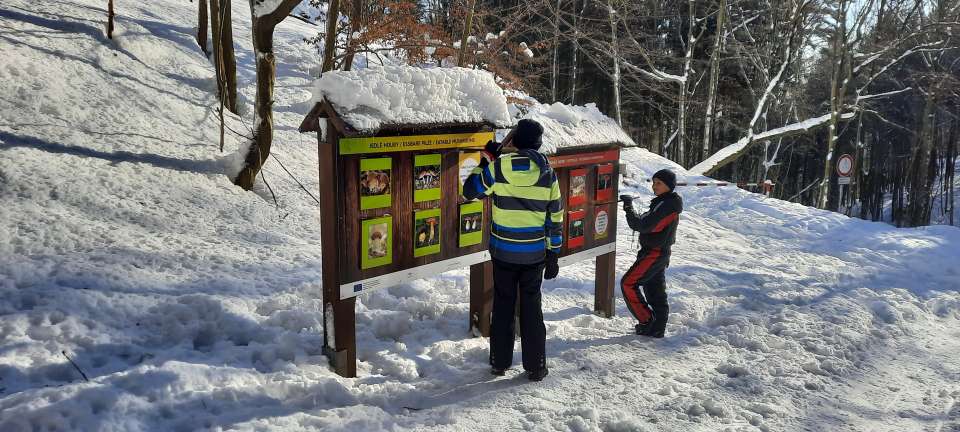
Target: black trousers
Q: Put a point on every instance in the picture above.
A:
(513, 283)
(648, 273)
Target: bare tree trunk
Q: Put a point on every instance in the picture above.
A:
(224, 60)
(616, 63)
(839, 44)
(918, 205)
(950, 174)
(330, 41)
(714, 79)
(682, 108)
(857, 177)
(576, 47)
(263, 140)
(215, 35)
(110, 19)
(727, 155)
(217, 63)
(555, 70)
(356, 23)
(466, 32)
(263, 26)
(228, 59)
(202, 21)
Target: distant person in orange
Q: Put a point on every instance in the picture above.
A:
(657, 230)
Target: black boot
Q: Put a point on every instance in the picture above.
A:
(537, 375)
(648, 329)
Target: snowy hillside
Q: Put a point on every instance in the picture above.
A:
(192, 305)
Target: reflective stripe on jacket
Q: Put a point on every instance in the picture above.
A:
(527, 209)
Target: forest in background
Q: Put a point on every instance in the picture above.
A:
(741, 90)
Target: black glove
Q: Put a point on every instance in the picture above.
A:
(626, 198)
(492, 150)
(552, 268)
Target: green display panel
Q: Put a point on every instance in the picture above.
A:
(375, 183)
(426, 232)
(426, 177)
(471, 223)
(376, 242)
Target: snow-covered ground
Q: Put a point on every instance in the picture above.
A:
(191, 305)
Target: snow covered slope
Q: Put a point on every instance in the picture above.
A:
(191, 305)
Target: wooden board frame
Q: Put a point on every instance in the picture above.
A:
(341, 217)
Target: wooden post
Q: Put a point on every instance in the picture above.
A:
(605, 281)
(343, 355)
(340, 341)
(481, 298)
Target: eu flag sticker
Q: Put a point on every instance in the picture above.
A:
(358, 288)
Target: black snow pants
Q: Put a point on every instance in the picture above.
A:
(650, 307)
(509, 280)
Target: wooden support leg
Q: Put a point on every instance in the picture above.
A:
(341, 346)
(481, 298)
(603, 304)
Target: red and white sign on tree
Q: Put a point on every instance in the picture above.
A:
(845, 165)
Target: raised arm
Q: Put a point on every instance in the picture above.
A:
(654, 220)
(480, 181)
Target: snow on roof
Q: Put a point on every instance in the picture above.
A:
(369, 99)
(575, 125)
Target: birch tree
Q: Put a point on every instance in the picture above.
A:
(715, 56)
(615, 45)
(842, 73)
(575, 47)
(852, 73)
(799, 13)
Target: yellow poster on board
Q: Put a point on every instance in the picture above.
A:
(413, 143)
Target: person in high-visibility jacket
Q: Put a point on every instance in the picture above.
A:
(525, 240)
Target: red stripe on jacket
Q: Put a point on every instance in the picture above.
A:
(665, 222)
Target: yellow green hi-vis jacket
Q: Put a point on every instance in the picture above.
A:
(527, 208)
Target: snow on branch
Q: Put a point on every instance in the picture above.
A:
(879, 54)
(880, 95)
(732, 151)
(656, 75)
(895, 61)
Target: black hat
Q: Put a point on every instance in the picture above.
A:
(667, 177)
(527, 135)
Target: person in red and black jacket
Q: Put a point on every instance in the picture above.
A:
(657, 230)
